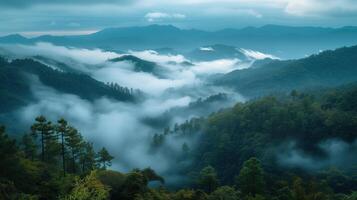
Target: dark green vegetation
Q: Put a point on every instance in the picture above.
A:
(200, 107)
(327, 69)
(140, 65)
(54, 162)
(234, 158)
(282, 41)
(17, 77)
(264, 128)
(46, 162)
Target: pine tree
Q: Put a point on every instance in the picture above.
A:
(87, 157)
(43, 128)
(105, 158)
(73, 141)
(62, 130)
(28, 146)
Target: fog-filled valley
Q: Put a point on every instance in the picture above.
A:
(194, 112)
(161, 90)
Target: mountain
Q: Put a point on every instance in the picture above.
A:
(15, 84)
(327, 69)
(140, 64)
(14, 38)
(282, 41)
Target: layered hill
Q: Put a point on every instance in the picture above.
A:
(327, 69)
(283, 41)
(15, 84)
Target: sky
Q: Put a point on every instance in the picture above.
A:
(67, 17)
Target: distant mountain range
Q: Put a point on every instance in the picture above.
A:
(327, 69)
(282, 41)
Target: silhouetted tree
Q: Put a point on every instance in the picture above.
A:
(73, 141)
(43, 128)
(62, 130)
(28, 146)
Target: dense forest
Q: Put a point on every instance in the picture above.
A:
(16, 75)
(326, 69)
(266, 129)
(236, 156)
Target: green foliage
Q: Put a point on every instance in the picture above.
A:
(15, 88)
(327, 69)
(353, 196)
(44, 129)
(298, 190)
(251, 178)
(104, 158)
(208, 179)
(257, 128)
(233, 140)
(88, 188)
(189, 194)
(224, 193)
(255, 197)
(114, 180)
(25, 175)
(28, 146)
(284, 194)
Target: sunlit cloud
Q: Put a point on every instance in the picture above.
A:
(159, 16)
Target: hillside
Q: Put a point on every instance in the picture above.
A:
(15, 84)
(297, 133)
(327, 69)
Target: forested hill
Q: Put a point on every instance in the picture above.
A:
(327, 69)
(299, 134)
(237, 156)
(15, 84)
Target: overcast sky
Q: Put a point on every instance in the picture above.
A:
(36, 17)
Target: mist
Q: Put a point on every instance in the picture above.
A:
(122, 127)
(336, 153)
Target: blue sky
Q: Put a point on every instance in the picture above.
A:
(36, 17)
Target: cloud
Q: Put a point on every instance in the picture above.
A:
(154, 56)
(256, 55)
(337, 152)
(85, 56)
(206, 49)
(322, 7)
(27, 3)
(217, 66)
(232, 11)
(159, 16)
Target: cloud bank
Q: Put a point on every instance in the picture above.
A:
(159, 16)
(123, 127)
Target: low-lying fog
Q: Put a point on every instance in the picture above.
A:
(120, 126)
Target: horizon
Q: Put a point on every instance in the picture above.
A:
(66, 17)
(34, 34)
(172, 100)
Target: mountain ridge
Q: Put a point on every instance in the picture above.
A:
(283, 41)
